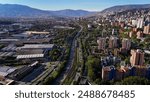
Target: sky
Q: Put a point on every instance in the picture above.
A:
(90, 5)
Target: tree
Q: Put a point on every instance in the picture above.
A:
(1, 46)
(134, 80)
(127, 60)
(93, 66)
(54, 54)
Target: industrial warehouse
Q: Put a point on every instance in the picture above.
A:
(21, 54)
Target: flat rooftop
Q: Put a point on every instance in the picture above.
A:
(5, 70)
(8, 40)
(6, 54)
(37, 46)
(10, 47)
(30, 52)
(30, 56)
(35, 32)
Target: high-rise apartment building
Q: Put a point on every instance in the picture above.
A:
(113, 42)
(113, 31)
(137, 57)
(108, 72)
(101, 43)
(140, 23)
(126, 44)
(134, 23)
(147, 29)
(139, 34)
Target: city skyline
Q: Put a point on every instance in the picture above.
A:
(90, 5)
(67, 47)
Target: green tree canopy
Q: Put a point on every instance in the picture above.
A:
(134, 80)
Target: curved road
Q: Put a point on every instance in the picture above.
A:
(61, 78)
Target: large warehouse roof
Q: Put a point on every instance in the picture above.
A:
(6, 54)
(37, 46)
(8, 40)
(30, 56)
(4, 70)
(35, 32)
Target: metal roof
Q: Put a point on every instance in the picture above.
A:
(10, 47)
(6, 54)
(30, 56)
(5, 70)
(9, 40)
(3, 74)
(40, 46)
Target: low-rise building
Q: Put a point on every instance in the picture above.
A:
(36, 33)
(9, 48)
(36, 46)
(31, 56)
(6, 70)
(5, 81)
(22, 72)
(7, 54)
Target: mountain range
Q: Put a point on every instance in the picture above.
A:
(15, 10)
(122, 8)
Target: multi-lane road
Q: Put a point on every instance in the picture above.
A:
(63, 76)
(68, 68)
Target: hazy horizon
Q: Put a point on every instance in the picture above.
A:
(69, 8)
(89, 5)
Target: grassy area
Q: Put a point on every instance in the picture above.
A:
(55, 73)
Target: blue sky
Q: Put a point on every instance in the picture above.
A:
(91, 5)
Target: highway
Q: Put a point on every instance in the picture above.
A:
(63, 76)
